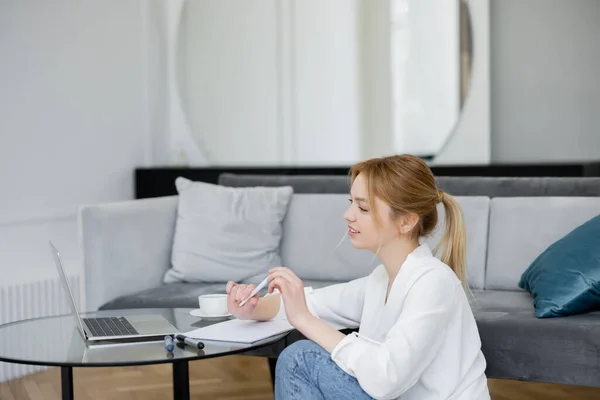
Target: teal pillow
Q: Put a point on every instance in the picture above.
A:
(565, 278)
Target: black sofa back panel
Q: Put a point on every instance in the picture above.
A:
(160, 181)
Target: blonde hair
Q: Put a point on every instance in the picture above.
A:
(406, 183)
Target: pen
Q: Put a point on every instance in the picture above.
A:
(256, 290)
(169, 343)
(189, 341)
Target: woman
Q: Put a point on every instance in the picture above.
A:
(417, 336)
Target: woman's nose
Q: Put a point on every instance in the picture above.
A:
(348, 216)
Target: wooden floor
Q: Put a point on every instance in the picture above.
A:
(231, 378)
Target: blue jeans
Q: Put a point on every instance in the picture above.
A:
(305, 370)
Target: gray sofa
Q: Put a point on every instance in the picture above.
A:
(126, 250)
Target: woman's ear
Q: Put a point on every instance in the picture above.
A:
(407, 222)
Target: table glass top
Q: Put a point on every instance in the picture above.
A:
(57, 341)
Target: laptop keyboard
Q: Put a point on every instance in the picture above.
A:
(109, 326)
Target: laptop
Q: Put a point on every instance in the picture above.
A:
(119, 328)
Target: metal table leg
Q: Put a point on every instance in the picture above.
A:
(181, 380)
(66, 377)
(272, 367)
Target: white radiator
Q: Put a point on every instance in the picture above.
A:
(39, 298)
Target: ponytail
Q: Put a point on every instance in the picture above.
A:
(454, 240)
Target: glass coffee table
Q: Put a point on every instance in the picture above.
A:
(56, 341)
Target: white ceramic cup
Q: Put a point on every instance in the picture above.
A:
(213, 304)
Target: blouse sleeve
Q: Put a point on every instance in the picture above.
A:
(339, 304)
(387, 369)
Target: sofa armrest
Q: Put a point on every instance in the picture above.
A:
(126, 246)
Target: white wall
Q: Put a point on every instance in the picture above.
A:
(545, 57)
(73, 121)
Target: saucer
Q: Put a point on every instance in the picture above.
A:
(198, 313)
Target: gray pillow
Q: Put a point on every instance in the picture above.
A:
(225, 233)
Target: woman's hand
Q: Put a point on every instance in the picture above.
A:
(292, 292)
(235, 295)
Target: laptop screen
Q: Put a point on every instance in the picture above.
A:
(65, 283)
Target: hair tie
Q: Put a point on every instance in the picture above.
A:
(440, 194)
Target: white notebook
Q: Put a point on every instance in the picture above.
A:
(241, 331)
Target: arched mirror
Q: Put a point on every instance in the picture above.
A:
(305, 82)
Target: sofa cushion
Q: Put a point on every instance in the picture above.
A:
(493, 186)
(301, 183)
(179, 295)
(521, 228)
(226, 233)
(565, 278)
(519, 346)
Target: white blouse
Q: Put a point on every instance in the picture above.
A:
(423, 343)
